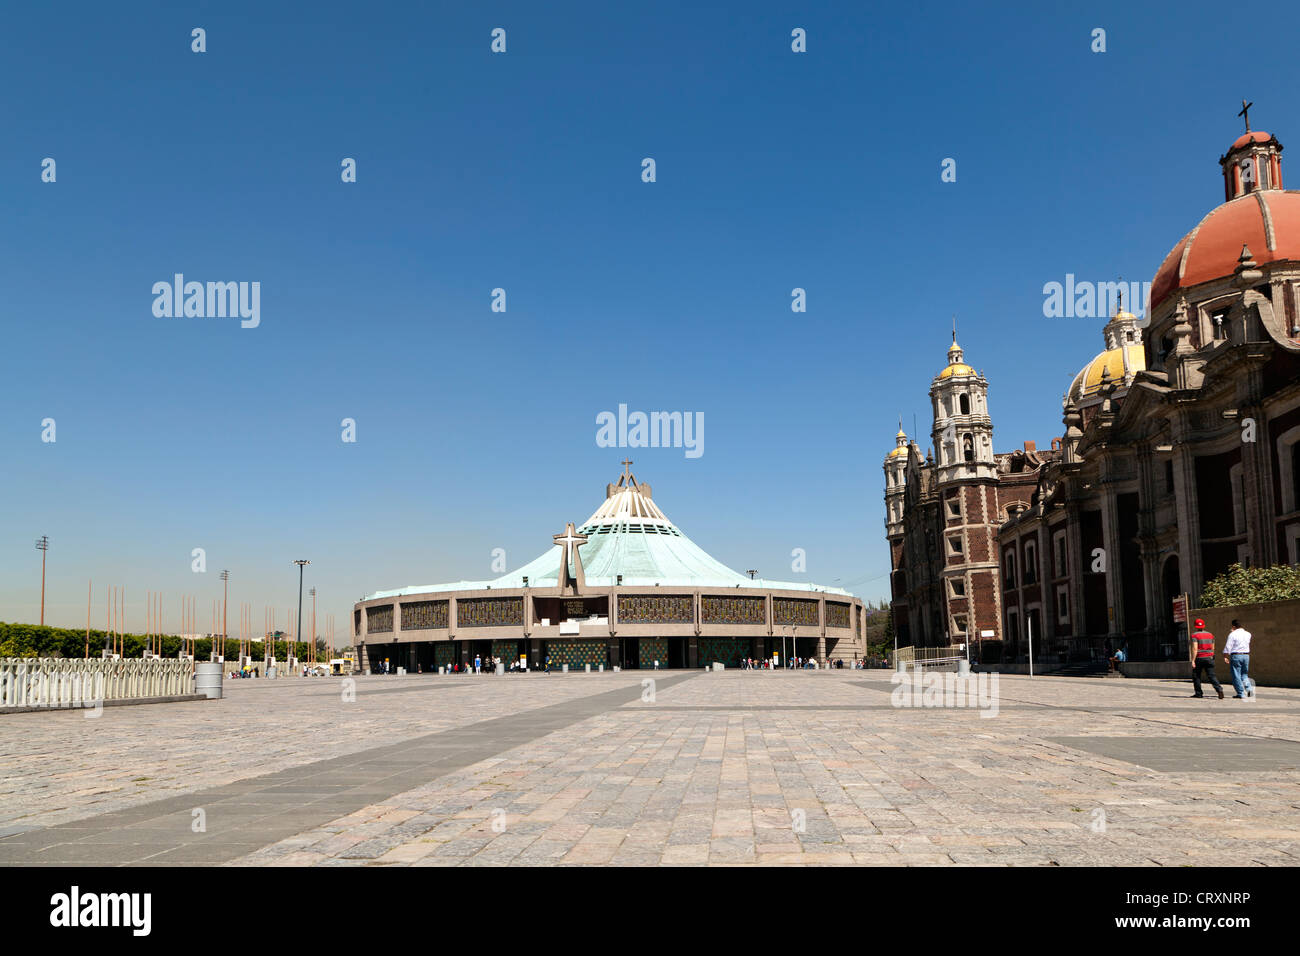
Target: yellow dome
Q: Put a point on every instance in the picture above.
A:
(957, 368)
(900, 450)
(1088, 382)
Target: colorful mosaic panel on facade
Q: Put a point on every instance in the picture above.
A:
(576, 653)
(379, 619)
(653, 649)
(837, 615)
(444, 653)
(423, 615)
(725, 650)
(795, 611)
(656, 609)
(506, 651)
(733, 610)
(356, 623)
(490, 612)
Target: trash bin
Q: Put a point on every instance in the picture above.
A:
(207, 679)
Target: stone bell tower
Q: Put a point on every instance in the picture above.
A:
(895, 485)
(963, 432)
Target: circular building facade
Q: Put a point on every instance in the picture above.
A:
(626, 588)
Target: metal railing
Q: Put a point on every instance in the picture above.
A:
(926, 656)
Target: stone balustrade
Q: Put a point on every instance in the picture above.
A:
(68, 682)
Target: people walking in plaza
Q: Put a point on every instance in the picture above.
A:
(1236, 654)
(1203, 659)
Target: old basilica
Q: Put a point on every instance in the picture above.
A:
(1180, 456)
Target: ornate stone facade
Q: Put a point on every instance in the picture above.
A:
(1180, 456)
(1192, 463)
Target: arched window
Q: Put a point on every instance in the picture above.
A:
(968, 446)
(965, 404)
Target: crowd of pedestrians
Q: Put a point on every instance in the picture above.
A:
(804, 663)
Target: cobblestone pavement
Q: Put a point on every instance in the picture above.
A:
(720, 768)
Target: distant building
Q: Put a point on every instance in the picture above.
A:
(626, 588)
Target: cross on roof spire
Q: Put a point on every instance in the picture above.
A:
(570, 572)
(1245, 113)
(627, 467)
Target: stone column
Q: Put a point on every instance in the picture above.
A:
(1147, 498)
(1046, 589)
(1110, 541)
(820, 653)
(1079, 625)
(1190, 565)
(1257, 489)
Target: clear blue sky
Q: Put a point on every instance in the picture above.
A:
(476, 430)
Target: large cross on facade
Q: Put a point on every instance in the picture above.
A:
(570, 560)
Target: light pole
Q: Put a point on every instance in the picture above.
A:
(43, 545)
(311, 652)
(298, 633)
(225, 593)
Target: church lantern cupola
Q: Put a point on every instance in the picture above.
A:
(1253, 162)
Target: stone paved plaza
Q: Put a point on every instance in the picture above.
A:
(719, 768)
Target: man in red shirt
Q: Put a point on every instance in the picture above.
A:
(1203, 650)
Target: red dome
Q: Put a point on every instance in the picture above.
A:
(1256, 137)
(1267, 220)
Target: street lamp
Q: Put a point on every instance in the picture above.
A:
(43, 545)
(301, 564)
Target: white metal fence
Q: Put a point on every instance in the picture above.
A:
(67, 682)
(927, 656)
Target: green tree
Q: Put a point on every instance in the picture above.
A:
(1240, 585)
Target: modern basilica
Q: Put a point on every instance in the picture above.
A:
(625, 588)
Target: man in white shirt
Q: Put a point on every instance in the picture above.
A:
(1236, 654)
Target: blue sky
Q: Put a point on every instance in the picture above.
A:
(476, 430)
